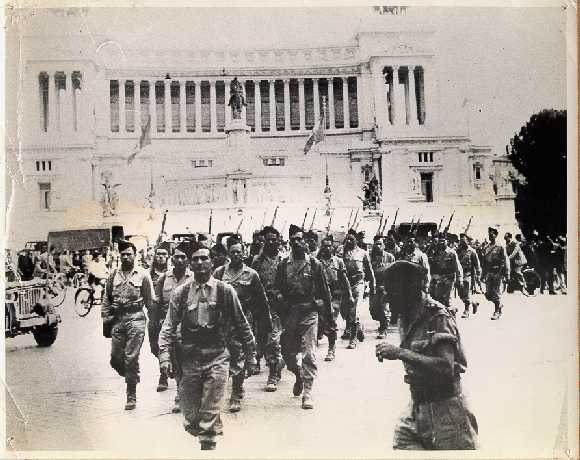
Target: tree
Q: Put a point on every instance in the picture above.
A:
(538, 152)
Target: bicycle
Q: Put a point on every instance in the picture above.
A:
(78, 279)
(85, 298)
(56, 288)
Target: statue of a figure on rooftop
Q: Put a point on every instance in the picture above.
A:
(237, 101)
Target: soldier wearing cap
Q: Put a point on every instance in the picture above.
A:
(497, 269)
(168, 282)
(433, 357)
(445, 271)
(378, 305)
(266, 265)
(128, 290)
(340, 291)
(252, 296)
(210, 316)
(303, 288)
(471, 273)
(158, 268)
(311, 239)
(411, 253)
(358, 268)
(517, 260)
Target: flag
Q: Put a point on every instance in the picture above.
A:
(144, 140)
(316, 136)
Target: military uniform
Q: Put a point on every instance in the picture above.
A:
(252, 296)
(420, 258)
(125, 296)
(167, 283)
(209, 315)
(266, 267)
(302, 283)
(517, 261)
(437, 417)
(358, 266)
(335, 273)
(445, 271)
(378, 305)
(155, 316)
(496, 266)
(471, 271)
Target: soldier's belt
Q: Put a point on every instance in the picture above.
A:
(303, 306)
(130, 308)
(355, 279)
(440, 276)
(433, 393)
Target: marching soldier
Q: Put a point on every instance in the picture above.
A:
(128, 290)
(340, 290)
(252, 296)
(378, 306)
(433, 358)
(445, 272)
(210, 316)
(471, 273)
(168, 282)
(266, 265)
(302, 285)
(411, 253)
(497, 269)
(517, 261)
(358, 268)
(157, 270)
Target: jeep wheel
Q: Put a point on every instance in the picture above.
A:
(45, 335)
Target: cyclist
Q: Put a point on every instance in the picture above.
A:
(97, 270)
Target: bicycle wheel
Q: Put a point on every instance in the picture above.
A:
(533, 282)
(83, 301)
(57, 290)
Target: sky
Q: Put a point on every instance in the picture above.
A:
(496, 65)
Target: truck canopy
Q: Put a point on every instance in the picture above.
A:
(78, 240)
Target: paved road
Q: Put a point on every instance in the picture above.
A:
(67, 398)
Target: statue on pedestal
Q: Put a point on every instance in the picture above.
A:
(237, 101)
(110, 198)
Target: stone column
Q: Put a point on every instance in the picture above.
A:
(198, 106)
(316, 98)
(365, 100)
(51, 102)
(428, 93)
(212, 106)
(412, 97)
(244, 111)
(330, 102)
(153, 106)
(301, 104)
(122, 122)
(345, 105)
(287, 126)
(227, 109)
(69, 109)
(167, 105)
(257, 107)
(272, 106)
(137, 105)
(393, 90)
(182, 106)
(380, 102)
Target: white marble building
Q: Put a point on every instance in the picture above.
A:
(83, 103)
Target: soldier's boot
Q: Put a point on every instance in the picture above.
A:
(382, 332)
(353, 337)
(131, 396)
(272, 382)
(176, 409)
(207, 445)
(298, 385)
(465, 313)
(360, 332)
(163, 382)
(281, 364)
(307, 401)
(497, 313)
(237, 393)
(346, 334)
(330, 355)
(475, 306)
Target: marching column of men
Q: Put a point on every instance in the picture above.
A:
(212, 318)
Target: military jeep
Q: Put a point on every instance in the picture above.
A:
(29, 310)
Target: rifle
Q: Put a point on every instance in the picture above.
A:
(384, 226)
(380, 225)
(240, 225)
(440, 224)
(412, 224)
(274, 218)
(354, 221)
(162, 228)
(349, 217)
(449, 223)
(468, 225)
(395, 219)
(328, 226)
(210, 219)
(313, 218)
(264, 218)
(283, 227)
(416, 227)
(305, 215)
